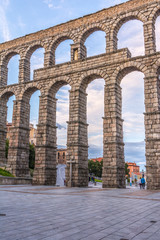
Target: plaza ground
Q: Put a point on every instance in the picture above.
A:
(51, 213)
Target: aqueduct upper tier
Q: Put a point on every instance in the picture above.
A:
(111, 66)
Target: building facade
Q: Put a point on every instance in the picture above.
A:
(32, 132)
(133, 168)
(61, 156)
(100, 159)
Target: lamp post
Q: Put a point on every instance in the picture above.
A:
(70, 180)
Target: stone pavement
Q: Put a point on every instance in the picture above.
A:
(50, 213)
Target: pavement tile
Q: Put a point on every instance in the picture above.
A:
(78, 213)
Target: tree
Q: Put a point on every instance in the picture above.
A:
(127, 170)
(6, 147)
(31, 156)
(95, 167)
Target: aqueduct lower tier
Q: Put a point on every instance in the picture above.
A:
(111, 66)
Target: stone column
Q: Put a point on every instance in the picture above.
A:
(113, 152)
(3, 132)
(152, 131)
(24, 70)
(149, 38)
(111, 42)
(45, 164)
(79, 50)
(77, 140)
(3, 75)
(49, 58)
(18, 154)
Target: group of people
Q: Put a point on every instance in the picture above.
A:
(92, 179)
(142, 183)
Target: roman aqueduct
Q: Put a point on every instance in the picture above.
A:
(78, 73)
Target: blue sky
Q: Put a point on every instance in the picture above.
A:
(19, 18)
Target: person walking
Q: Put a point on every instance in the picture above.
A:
(143, 182)
(140, 184)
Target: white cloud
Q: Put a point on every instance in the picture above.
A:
(141, 163)
(52, 4)
(131, 35)
(4, 27)
(37, 60)
(5, 3)
(34, 122)
(95, 112)
(158, 33)
(62, 114)
(133, 106)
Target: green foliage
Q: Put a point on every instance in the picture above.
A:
(95, 168)
(31, 172)
(97, 180)
(127, 170)
(31, 153)
(6, 148)
(31, 156)
(3, 172)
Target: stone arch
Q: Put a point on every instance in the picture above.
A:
(4, 97)
(27, 92)
(78, 121)
(122, 20)
(9, 55)
(91, 75)
(27, 56)
(32, 48)
(152, 19)
(153, 16)
(5, 60)
(156, 66)
(89, 30)
(3, 106)
(55, 85)
(60, 38)
(127, 68)
(6, 94)
(56, 42)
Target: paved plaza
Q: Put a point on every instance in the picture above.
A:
(50, 213)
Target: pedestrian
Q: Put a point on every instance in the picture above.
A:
(140, 184)
(94, 181)
(135, 180)
(130, 181)
(143, 182)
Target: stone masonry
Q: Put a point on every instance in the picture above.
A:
(78, 73)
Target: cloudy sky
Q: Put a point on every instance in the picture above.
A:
(19, 18)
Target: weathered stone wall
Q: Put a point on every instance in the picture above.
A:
(111, 66)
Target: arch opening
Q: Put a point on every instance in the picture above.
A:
(36, 61)
(95, 43)
(6, 111)
(13, 70)
(133, 107)
(62, 117)
(130, 34)
(10, 108)
(157, 31)
(33, 121)
(63, 51)
(95, 112)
